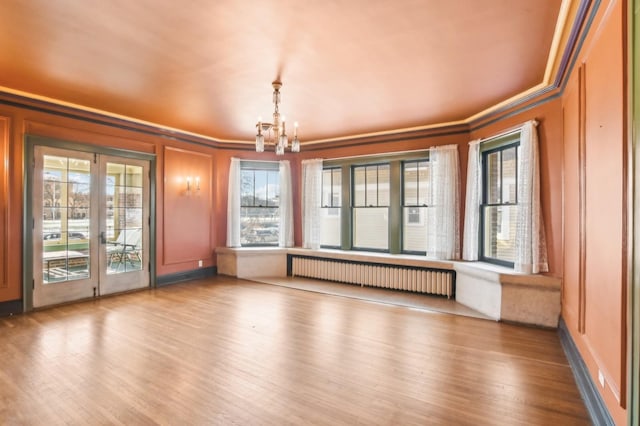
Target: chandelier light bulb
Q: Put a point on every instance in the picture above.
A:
(259, 143)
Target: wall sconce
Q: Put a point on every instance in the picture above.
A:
(189, 184)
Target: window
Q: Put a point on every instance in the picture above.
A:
(331, 203)
(259, 203)
(389, 202)
(415, 205)
(499, 202)
(370, 201)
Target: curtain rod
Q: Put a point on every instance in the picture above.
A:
(509, 131)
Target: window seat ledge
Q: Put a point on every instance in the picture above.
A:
(505, 295)
(252, 262)
(506, 276)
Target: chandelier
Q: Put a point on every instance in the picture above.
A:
(276, 131)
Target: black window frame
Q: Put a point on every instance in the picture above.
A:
(333, 204)
(394, 159)
(368, 205)
(500, 145)
(404, 203)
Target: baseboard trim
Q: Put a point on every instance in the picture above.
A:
(186, 276)
(11, 307)
(590, 395)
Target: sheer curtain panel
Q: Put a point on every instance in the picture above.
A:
(531, 249)
(286, 206)
(472, 204)
(443, 225)
(311, 203)
(233, 204)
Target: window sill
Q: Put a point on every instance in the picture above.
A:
(249, 250)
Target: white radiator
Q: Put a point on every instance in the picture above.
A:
(422, 280)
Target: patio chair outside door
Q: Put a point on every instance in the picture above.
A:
(90, 224)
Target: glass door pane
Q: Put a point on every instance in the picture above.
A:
(124, 224)
(123, 221)
(66, 209)
(63, 267)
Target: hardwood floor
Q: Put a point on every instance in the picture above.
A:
(232, 352)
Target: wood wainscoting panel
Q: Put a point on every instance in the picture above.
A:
(4, 204)
(606, 210)
(573, 282)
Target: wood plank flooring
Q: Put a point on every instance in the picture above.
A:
(231, 352)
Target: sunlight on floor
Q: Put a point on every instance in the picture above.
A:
(378, 295)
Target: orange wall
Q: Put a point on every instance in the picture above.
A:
(596, 207)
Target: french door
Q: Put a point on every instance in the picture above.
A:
(90, 225)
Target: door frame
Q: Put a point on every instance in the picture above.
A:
(27, 247)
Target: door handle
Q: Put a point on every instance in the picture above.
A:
(103, 238)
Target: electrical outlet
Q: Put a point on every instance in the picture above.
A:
(199, 263)
(601, 378)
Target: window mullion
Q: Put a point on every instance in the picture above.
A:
(500, 200)
(377, 204)
(331, 189)
(418, 185)
(517, 148)
(253, 187)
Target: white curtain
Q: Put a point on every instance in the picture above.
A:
(531, 248)
(311, 203)
(233, 205)
(286, 206)
(472, 203)
(443, 225)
